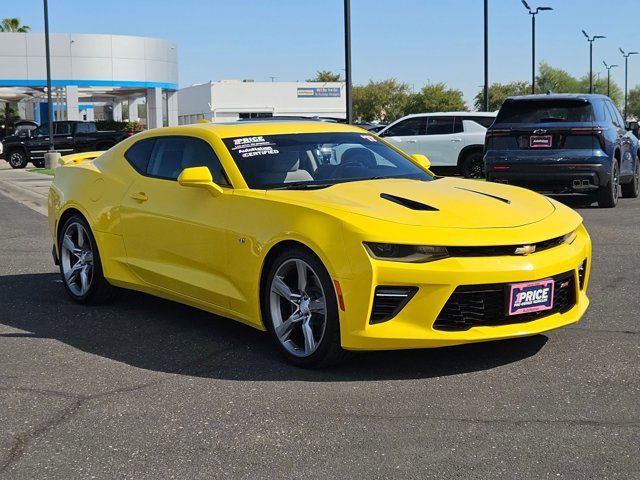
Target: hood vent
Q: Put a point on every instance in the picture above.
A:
(405, 202)
(500, 199)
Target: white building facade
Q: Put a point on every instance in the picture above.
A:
(230, 100)
(88, 71)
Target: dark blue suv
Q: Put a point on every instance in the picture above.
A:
(564, 143)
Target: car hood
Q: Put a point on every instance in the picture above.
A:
(444, 202)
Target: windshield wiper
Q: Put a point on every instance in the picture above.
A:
(302, 186)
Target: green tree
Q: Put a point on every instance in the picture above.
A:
(633, 103)
(498, 92)
(325, 76)
(385, 100)
(8, 116)
(435, 98)
(557, 80)
(13, 25)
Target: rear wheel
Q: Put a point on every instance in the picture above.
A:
(38, 163)
(17, 159)
(472, 165)
(300, 310)
(80, 265)
(608, 195)
(632, 189)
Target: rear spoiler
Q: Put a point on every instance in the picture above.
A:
(77, 158)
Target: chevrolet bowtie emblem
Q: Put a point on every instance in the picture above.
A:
(525, 250)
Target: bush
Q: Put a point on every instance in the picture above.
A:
(119, 126)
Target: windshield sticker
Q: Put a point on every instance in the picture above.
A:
(257, 151)
(369, 137)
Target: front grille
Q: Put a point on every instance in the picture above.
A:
(388, 301)
(485, 305)
(501, 250)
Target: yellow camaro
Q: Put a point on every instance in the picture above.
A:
(320, 233)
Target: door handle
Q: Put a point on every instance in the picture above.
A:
(456, 139)
(412, 141)
(140, 197)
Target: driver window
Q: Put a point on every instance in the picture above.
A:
(406, 128)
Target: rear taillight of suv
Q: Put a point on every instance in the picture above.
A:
(592, 132)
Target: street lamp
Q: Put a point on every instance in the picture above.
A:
(347, 58)
(533, 14)
(48, 63)
(626, 71)
(485, 89)
(608, 67)
(591, 40)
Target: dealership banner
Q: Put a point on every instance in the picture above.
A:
(319, 92)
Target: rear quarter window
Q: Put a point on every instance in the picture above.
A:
(139, 154)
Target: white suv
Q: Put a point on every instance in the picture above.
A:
(450, 139)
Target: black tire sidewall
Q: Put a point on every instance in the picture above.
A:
(331, 340)
(632, 189)
(606, 196)
(97, 275)
(23, 159)
(467, 164)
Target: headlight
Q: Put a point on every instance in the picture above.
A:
(570, 237)
(405, 253)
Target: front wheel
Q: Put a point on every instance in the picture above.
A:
(300, 310)
(608, 195)
(632, 189)
(80, 265)
(473, 165)
(17, 159)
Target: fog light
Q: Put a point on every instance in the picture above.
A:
(389, 301)
(582, 273)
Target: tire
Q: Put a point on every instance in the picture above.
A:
(472, 165)
(608, 195)
(294, 315)
(80, 264)
(632, 189)
(38, 163)
(17, 159)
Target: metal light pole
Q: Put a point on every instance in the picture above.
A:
(626, 77)
(486, 57)
(533, 14)
(347, 58)
(48, 62)
(591, 40)
(608, 67)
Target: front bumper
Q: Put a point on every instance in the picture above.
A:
(413, 326)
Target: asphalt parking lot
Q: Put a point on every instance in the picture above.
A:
(143, 388)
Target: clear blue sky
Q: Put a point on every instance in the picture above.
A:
(414, 41)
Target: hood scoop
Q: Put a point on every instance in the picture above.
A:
(411, 204)
(500, 199)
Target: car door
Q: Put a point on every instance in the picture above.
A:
(175, 236)
(85, 136)
(406, 134)
(440, 141)
(63, 137)
(626, 142)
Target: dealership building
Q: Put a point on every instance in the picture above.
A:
(94, 76)
(229, 100)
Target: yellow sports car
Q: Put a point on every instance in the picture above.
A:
(320, 233)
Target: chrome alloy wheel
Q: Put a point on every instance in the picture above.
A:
(298, 307)
(76, 259)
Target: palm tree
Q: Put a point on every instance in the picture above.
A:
(13, 25)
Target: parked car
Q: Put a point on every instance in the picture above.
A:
(453, 141)
(68, 137)
(319, 233)
(564, 143)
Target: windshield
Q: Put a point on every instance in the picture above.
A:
(537, 111)
(316, 160)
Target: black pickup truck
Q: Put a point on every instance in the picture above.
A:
(68, 137)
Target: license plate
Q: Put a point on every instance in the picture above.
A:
(530, 297)
(540, 141)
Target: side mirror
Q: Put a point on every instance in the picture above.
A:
(633, 127)
(199, 177)
(421, 160)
